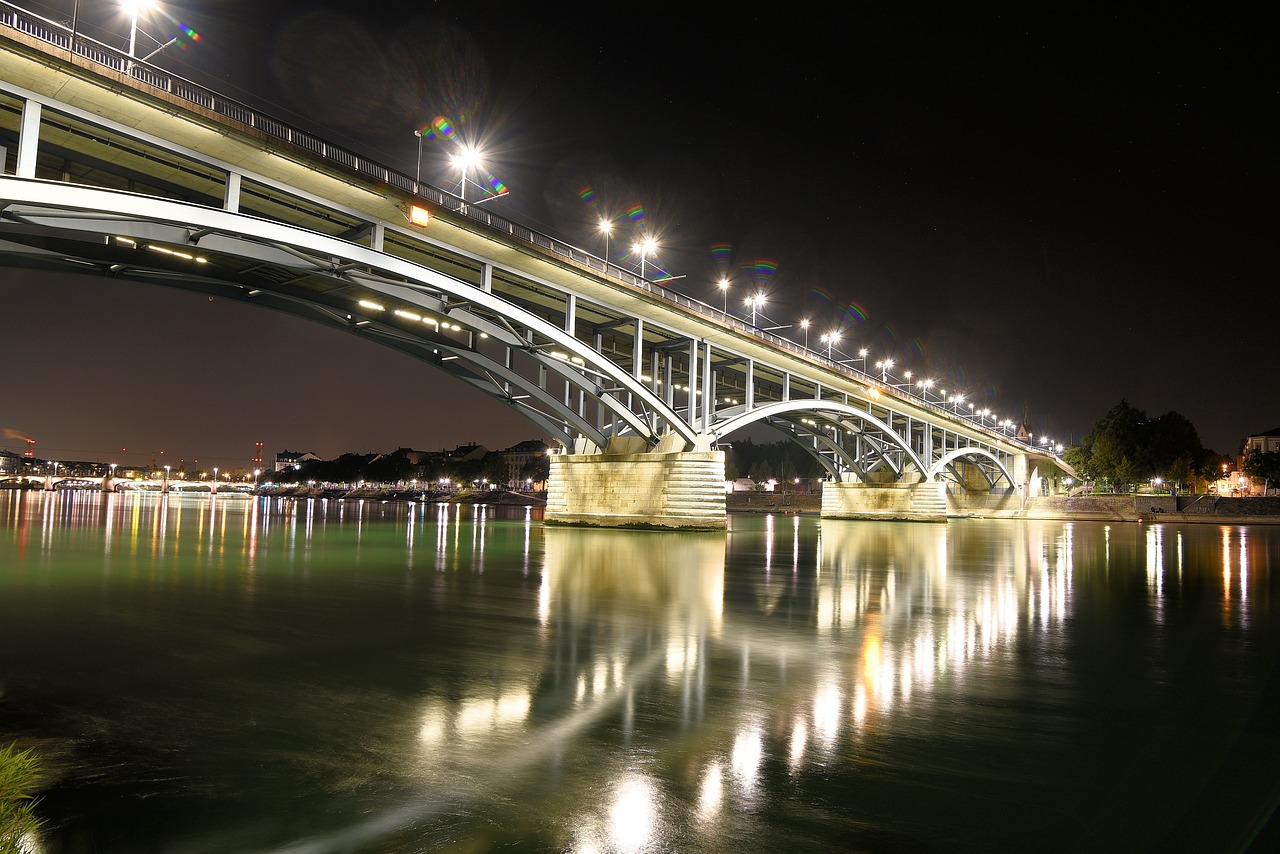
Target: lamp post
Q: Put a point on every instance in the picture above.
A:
(862, 357)
(884, 365)
(755, 302)
(804, 324)
(831, 338)
(464, 160)
(644, 247)
(417, 176)
(135, 7)
(606, 228)
(906, 375)
(724, 289)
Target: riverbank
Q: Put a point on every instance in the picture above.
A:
(1209, 509)
(368, 493)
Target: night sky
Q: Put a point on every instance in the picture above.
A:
(1049, 209)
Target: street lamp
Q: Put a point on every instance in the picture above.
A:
(606, 228)
(862, 357)
(724, 289)
(884, 365)
(756, 302)
(906, 375)
(831, 338)
(924, 386)
(134, 7)
(417, 176)
(804, 324)
(464, 160)
(645, 246)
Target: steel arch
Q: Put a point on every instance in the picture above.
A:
(972, 453)
(891, 449)
(65, 210)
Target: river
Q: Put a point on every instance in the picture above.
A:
(231, 674)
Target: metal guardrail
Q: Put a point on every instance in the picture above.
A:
(61, 36)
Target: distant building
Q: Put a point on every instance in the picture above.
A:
(465, 453)
(1266, 443)
(293, 459)
(9, 462)
(520, 455)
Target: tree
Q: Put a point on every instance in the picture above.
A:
(536, 469)
(1127, 447)
(1180, 472)
(1263, 466)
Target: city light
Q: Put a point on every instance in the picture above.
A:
(830, 338)
(606, 228)
(644, 247)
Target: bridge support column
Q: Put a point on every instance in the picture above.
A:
(657, 489)
(925, 501)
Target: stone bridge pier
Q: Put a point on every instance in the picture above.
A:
(627, 486)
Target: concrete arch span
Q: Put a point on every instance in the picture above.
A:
(466, 331)
(986, 463)
(841, 437)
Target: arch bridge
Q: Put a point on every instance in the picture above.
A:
(116, 168)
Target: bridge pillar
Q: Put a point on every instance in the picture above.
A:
(48, 483)
(925, 501)
(655, 489)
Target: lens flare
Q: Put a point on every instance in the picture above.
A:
(855, 312)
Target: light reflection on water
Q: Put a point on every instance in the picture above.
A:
(236, 674)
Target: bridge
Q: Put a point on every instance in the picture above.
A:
(111, 483)
(116, 168)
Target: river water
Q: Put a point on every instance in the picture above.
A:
(230, 674)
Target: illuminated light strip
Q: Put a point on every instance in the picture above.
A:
(408, 315)
(186, 256)
(364, 303)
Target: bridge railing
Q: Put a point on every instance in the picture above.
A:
(61, 36)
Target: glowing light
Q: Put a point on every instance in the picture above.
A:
(633, 815)
(711, 793)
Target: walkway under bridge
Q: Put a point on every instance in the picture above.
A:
(117, 169)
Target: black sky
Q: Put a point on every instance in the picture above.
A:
(1052, 210)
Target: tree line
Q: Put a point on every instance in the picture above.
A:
(1125, 448)
(398, 467)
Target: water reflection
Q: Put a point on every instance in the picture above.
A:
(423, 676)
